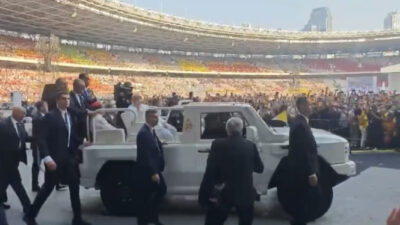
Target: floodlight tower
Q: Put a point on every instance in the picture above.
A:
(49, 48)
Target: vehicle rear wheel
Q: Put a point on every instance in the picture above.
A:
(118, 191)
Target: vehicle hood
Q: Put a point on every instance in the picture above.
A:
(320, 135)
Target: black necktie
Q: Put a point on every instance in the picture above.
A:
(156, 139)
(65, 120)
(67, 125)
(81, 101)
(21, 132)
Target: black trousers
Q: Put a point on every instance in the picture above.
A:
(11, 177)
(35, 164)
(3, 219)
(150, 199)
(67, 173)
(218, 216)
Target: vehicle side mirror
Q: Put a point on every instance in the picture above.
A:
(252, 133)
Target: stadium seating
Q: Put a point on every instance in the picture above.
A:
(73, 55)
(101, 57)
(191, 65)
(25, 48)
(341, 65)
(30, 83)
(18, 47)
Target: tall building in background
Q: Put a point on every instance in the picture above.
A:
(320, 20)
(392, 21)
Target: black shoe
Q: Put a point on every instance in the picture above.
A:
(35, 188)
(80, 222)
(29, 220)
(60, 187)
(4, 205)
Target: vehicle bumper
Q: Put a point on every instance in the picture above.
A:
(348, 168)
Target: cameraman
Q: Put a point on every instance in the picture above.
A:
(122, 97)
(123, 94)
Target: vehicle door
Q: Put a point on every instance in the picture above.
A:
(180, 159)
(212, 126)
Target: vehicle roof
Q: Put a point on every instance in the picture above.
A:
(215, 104)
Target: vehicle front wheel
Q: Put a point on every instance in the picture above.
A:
(118, 192)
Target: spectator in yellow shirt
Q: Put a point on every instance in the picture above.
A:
(363, 125)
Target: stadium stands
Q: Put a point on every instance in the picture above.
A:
(342, 65)
(25, 48)
(30, 83)
(191, 65)
(73, 55)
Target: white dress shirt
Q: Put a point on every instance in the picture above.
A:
(66, 118)
(78, 96)
(14, 122)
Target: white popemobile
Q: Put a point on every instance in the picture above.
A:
(109, 161)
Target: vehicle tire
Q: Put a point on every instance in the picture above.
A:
(117, 190)
(316, 209)
(324, 205)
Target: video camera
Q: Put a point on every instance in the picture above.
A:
(123, 94)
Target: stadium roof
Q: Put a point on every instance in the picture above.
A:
(114, 23)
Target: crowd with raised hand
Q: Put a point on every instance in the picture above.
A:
(368, 120)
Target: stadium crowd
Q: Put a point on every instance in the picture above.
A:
(353, 115)
(368, 120)
(30, 83)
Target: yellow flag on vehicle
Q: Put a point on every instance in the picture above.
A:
(281, 117)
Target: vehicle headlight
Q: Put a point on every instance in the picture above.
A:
(347, 151)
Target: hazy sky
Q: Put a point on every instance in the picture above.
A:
(285, 14)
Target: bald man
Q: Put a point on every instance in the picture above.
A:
(13, 151)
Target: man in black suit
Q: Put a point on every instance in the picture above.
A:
(58, 143)
(230, 166)
(77, 108)
(88, 95)
(42, 109)
(304, 179)
(13, 151)
(150, 161)
(49, 95)
(303, 156)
